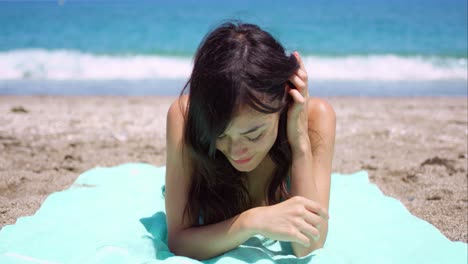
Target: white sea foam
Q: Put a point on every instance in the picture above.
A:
(386, 68)
(74, 65)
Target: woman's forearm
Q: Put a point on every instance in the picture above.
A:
(303, 184)
(302, 180)
(208, 241)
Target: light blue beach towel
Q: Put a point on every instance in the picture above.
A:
(116, 215)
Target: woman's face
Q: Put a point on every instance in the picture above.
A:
(248, 138)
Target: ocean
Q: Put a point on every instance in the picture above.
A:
(350, 48)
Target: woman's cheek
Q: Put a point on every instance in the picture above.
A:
(219, 146)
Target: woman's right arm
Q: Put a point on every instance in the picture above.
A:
(292, 220)
(196, 242)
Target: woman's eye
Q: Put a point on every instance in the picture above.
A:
(256, 138)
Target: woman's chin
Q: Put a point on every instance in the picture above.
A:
(243, 169)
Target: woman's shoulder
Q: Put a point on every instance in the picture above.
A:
(177, 112)
(320, 107)
(175, 121)
(178, 106)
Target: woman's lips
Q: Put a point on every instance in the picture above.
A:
(242, 161)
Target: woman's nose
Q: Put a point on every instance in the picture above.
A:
(238, 151)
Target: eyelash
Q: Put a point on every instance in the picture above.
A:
(250, 139)
(255, 139)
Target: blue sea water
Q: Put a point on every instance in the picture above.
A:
(353, 47)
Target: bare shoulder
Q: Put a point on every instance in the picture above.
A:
(175, 124)
(178, 108)
(319, 108)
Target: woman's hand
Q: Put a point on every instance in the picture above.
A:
(297, 220)
(297, 113)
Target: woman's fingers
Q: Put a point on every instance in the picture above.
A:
(315, 207)
(310, 230)
(301, 76)
(299, 59)
(297, 81)
(302, 239)
(300, 85)
(312, 219)
(297, 96)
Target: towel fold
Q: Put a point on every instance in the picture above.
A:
(117, 215)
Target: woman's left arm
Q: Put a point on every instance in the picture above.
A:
(311, 133)
(312, 165)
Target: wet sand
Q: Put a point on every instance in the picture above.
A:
(415, 149)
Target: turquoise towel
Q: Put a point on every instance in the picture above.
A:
(116, 215)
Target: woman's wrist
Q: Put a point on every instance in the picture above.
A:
(249, 221)
(300, 147)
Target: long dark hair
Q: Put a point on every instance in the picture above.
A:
(236, 64)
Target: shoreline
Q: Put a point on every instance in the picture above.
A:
(414, 148)
(172, 87)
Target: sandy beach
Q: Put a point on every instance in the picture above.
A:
(415, 149)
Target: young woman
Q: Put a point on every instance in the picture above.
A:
(248, 151)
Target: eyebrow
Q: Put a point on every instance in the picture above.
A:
(253, 129)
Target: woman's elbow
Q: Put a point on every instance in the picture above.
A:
(300, 251)
(178, 248)
(173, 243)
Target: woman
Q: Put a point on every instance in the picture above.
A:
(248, 151)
